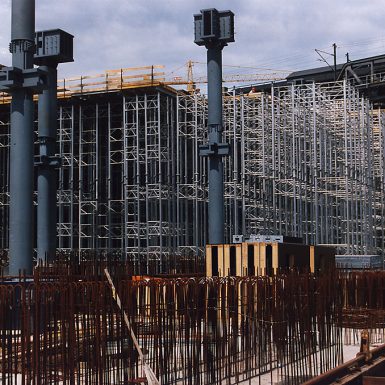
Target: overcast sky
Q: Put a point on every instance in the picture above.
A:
(277, 34)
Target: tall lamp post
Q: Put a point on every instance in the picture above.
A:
(214, 30)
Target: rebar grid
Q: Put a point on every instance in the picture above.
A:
(64, 327)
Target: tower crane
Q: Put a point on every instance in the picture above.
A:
(191, 81)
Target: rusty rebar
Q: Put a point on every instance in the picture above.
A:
(63, 326)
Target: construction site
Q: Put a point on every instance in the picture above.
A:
(307, 161)
(151, 233)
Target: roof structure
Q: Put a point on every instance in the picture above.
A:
(367, 74)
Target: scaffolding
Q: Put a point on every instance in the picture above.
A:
(304, 165)
(306, 161)
(378, 167)
(4, 178)
(116, 189)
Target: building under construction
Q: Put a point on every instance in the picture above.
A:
(306, 161)
(139, 167)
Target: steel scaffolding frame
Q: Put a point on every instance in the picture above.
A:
(67, 204)
(378, 167)
(4, 179)
(302, 165)
(307, 160)
(191, 174)
(148, 135)
(116, 192)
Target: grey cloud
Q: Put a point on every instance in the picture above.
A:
(280, 33)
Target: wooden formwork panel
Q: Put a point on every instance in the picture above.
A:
(232, 261)
(265, 258)
(294, 256)
(259, 258)
(215, 260)
(224, 260)
(322, 258)
(209, 261)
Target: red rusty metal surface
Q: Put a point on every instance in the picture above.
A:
(63, 327)
(369, 380)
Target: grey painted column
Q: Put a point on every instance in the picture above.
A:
(214, 29)
(53, 47)
(21, 148)
(46, 180)
(216, 193)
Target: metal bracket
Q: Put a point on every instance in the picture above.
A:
(53, 47)
(214, 149)
(12, 78)
(47, 161)
(213, 27)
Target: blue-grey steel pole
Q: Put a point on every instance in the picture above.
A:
(46, 179)
(216, 195)
(21, 148)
